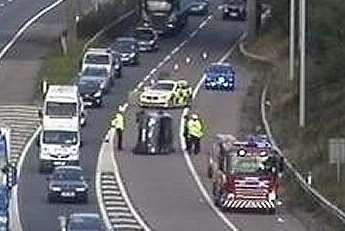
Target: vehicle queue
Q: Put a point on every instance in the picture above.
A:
(64, 113)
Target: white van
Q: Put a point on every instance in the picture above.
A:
(59, 143)
(63, 101)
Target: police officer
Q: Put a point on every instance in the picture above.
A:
(118, 122)
(195, 133)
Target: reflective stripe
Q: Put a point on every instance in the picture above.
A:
(118, 122)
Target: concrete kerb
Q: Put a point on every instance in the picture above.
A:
(321, 200)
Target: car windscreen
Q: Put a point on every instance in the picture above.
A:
(123, 45)
(144, 34)
(60, 137)
(67, 174)
(220, 69)
(102, 72)
(88, 84)
(158, 5)
(84, 224)
(163, 86)
(246, 165)
(97, 59)
(61, 109)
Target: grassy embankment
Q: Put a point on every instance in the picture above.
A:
(306, 148)
(61, 69)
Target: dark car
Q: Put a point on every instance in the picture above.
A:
(219, 76)
(155, 133)
(101, 75)
(67, 184)
(84, 222)
(147, 38)
(128, 49)
(90, 91)
(4, 206)
(235, 9)
(199, 7)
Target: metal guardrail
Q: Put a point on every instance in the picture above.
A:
(299, 178)
(321, 200)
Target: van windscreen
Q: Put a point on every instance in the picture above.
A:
(61, 109)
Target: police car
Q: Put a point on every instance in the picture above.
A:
(219, 76)
(166, 93)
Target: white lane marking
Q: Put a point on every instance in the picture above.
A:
(122, 187)
(2, 4)
(28, 23)
(188, 160)
(110, 136)
(15, 218)
(175, 50)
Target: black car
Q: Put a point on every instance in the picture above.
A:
(199, 7)
(235, 9)
(67, 184)
(90, 91)
(83, 222)
(128, 49)
(147, 38)
(155, 133)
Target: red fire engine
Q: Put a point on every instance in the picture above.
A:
(245, 175)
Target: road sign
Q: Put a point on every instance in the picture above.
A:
(336, 152)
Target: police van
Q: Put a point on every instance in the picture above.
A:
(59, 143)
(63, 102)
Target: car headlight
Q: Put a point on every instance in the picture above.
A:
(225, 84)
(98, 94)
(117, 66)
(74, 151)
(132, 55)
(151, 42)
(164, 97)
(55, 189)
(80, 189)
(3, 219)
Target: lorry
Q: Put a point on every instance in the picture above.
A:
(165, 16)
(63, 102)
(245, 176)
(59, 143)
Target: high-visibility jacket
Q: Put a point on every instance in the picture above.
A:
(195, 128)
(118, 122)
